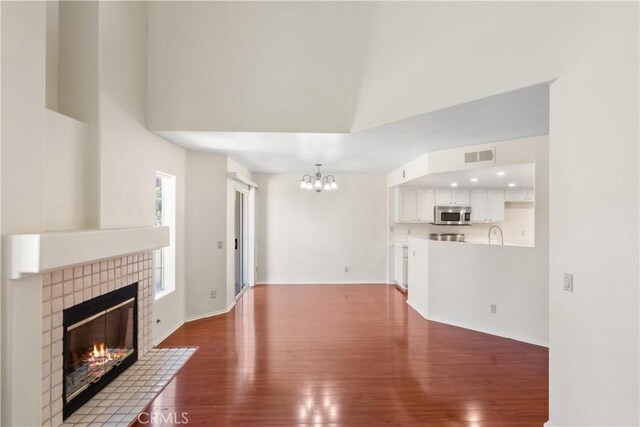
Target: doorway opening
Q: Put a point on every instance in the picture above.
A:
(242, 244)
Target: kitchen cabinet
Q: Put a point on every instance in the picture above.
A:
(414, 205)
(400, 264)
(452, 197)
(524, 195)
(487, 206)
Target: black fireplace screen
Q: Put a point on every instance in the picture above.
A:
(100, 341)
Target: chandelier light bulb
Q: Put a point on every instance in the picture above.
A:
(303, 184)
(309, 186)
(327, 186)
(334, 185)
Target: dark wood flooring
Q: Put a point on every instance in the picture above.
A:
(349, 355)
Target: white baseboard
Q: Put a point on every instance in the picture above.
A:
(210, 314)
(547, 424)
(486, 331)
(169, 332)
(320, 283)
(420, 312)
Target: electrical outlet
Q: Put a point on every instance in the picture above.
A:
(214, 294)
(346, 269)
(494, 309)
(522, 233)
(567, 282)
(409, 232)
(219, 244)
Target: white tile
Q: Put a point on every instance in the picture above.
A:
(102, 418)
(46, 293)
(56, 318)
(56, 276)
(68, 301)
(56, 290)
(46, 308)
(46, 323)
(68, 287)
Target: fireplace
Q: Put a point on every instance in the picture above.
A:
(100, 340)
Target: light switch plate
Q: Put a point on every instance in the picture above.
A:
(219, 244)
(567, 283)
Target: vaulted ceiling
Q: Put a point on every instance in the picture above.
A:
(240, 77)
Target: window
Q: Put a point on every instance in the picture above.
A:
(164, 265)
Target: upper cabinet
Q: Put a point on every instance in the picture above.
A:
(525, 195)
(487, 205)
(452, 197)
(414, 205)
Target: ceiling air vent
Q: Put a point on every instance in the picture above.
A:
(482, 156)
(471, 157)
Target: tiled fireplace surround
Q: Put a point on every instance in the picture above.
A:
(65, 288)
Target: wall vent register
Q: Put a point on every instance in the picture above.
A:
(483, 156)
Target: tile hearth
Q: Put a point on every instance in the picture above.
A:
(119, 403)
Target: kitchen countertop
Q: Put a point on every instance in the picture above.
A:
(472, 241)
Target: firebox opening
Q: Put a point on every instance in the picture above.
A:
(100, 342)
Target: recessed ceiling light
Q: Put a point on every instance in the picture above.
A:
(454, 184)
(512, 184)
(474, 179)
(501, 173)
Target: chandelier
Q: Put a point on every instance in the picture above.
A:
(318, 182)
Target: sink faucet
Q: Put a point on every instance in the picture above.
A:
(501, 235)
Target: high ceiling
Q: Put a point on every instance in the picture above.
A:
(516, 114)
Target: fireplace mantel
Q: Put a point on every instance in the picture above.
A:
(36, 253)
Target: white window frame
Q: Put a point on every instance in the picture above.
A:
(168, 253)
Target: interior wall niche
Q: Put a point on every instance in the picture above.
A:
(72, 58)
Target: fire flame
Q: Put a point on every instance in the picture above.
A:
(100, 355)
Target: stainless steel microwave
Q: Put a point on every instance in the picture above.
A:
(452, 215)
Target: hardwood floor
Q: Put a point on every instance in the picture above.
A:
(350, 355)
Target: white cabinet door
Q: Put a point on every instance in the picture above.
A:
(426, 202)
(444, 197)
(408, 205)
(526, 195)
(479, 205)
(461, 197)
(495, 205)
(399, 272)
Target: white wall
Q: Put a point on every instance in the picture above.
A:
(454, 52)
(129, 154)
(254, 66)
(594, 331)
(306, 237)
(66, 191)
(206, 226)
(465, 279)
(23, 124)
